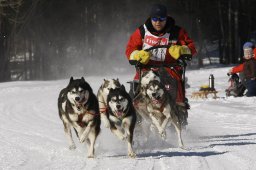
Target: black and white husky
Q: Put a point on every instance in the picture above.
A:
(139, 101)
(122, 116)
(102, 98)
(161, 109)
(78, 108)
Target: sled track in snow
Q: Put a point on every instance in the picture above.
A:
(221, 135)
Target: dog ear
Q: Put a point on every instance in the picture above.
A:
(144, 73)
(123, 88)
(156, 73)
(82, 78)
(116, 82)
(71, 79)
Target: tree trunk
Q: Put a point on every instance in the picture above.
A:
(230, 31)
(223, 35)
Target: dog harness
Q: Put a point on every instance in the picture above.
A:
(103, 110)
(80, 121)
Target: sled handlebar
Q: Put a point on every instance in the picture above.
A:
(140, 65)
(158, 46)
(230, 74)
(180, 62)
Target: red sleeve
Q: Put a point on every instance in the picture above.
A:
(185, 40)
(254, 51)
(238, 68)
(134, 43)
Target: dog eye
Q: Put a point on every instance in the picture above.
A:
(81, 91)
(72, 92)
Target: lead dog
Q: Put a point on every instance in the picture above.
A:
(161, 109)
(102, 98)
(122, 116)
(78, 108)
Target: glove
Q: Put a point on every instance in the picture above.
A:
(141, 56)
(177, 51)
(230, 72)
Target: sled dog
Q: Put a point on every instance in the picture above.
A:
(102, 98)
(122, 116)
(161, 109)
(148, 76)
(139, 100)
(78, 108)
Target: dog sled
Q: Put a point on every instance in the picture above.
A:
(170, 83)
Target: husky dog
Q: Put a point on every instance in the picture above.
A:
(122, 116)
(161, 109)
(102, 98)
(139, 100)
(147, 76)
(78, 108)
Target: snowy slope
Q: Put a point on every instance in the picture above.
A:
(221, 133)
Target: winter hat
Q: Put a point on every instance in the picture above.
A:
(248, 45)
(158, 10)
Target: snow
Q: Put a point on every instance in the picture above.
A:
(221, 132)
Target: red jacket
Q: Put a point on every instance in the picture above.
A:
(240, 67)
(136, 42)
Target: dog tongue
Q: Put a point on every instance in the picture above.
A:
(155, 101)
(119, 113)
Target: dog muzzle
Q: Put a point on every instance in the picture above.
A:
(120, 113)
(81, 103)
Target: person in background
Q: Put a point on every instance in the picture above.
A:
(160, 29)
(248, 68)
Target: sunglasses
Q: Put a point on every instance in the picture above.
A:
(161, 19)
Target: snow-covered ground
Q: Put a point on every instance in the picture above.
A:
(221, 133)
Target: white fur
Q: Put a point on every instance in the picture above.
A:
(156, 114)
(149, 76)
(156, 89)
(82, 94)
(86, 133)
(113, 104)
(102, 98)
(121, 122)
(64, 106)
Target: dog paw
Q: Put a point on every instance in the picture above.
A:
(152, 128)
(184, 148)
(132, 155)
(163, 134)
(90, 156)
(123, 137)
(72, 147)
